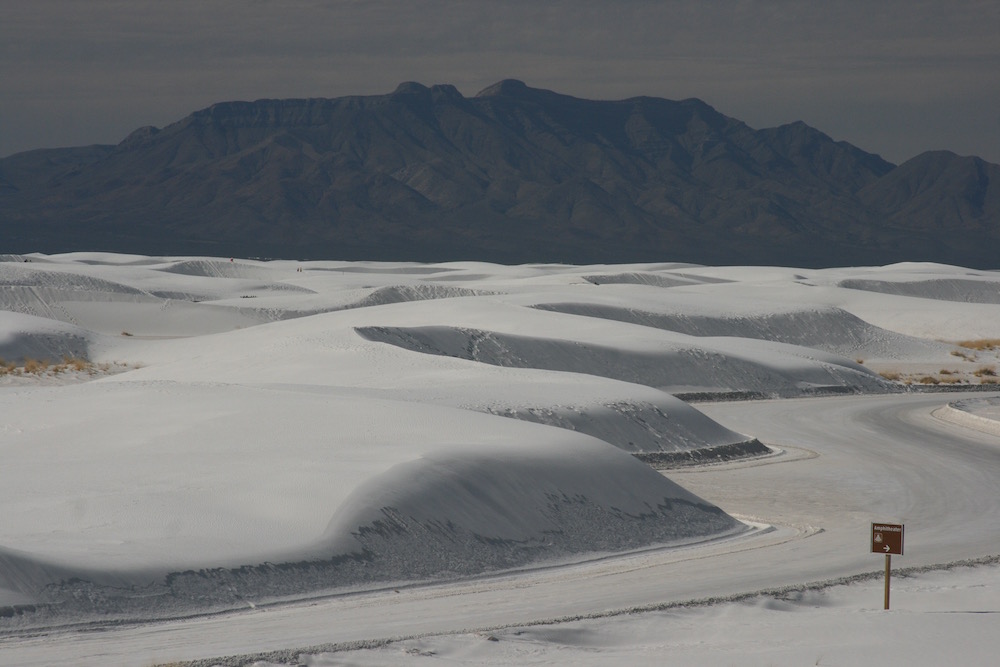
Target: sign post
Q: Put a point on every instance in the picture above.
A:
(887, 538)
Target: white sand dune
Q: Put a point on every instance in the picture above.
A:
(924, 314)
(672, 279)
(830, 329)
(289, 427)
(978, 287)
(29, 336)
(720, 366)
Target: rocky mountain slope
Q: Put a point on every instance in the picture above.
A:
(514, 174)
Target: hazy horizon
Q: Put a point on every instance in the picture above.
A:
(895, 79)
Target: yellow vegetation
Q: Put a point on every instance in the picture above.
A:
(981, 344)
(32, 366)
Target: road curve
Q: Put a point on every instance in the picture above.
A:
(877, 458)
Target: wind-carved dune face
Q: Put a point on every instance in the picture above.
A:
(470, 511)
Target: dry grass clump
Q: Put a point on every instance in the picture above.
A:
(963, 355)
(946, 376)
(37, 367)
(981, 344)
(986, 375)
(75, 363)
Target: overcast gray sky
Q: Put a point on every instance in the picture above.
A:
(895, 77)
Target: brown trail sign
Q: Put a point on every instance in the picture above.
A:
(887, 538)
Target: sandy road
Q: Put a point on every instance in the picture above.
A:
(882, 458)
(879, 458)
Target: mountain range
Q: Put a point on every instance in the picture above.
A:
(514, 174)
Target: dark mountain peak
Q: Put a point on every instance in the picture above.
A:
(937, 187)
(138, 137)
(798, 128)
(703, 110)
(799, 134)
(933, 171)
(694, 104)
(513, 92)
(416, 95)
(935, 164)
(837, 163)
(446, 91)
(802, 136)
(942, 162)
(505, 88)
(411, 88)
(937, 156)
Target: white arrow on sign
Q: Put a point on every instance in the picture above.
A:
(886, 547)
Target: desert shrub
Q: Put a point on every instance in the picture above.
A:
(945, 371)
(981, 343)
(892, 376)
(963, 355)
(34, 365)
(126, 333)
(951, 379)
(42, 366)
(987, 371)
(74, 364)
(927, 379)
